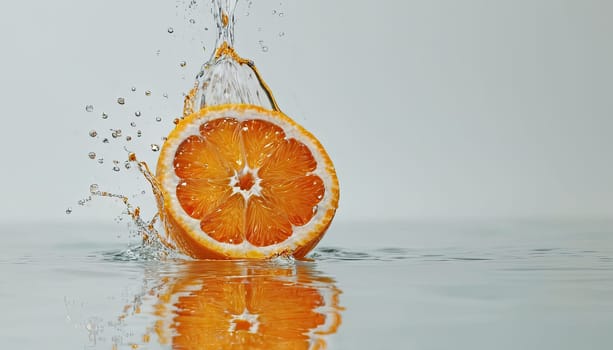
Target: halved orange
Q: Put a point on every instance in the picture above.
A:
(240, 181)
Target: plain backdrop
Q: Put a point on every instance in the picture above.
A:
(430, 109)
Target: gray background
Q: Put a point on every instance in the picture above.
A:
(433, 109)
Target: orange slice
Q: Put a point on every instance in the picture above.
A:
(240, 181)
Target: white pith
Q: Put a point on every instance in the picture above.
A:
(169, 182)
(255, 190)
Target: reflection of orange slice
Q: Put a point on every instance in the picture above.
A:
(240, 181)
(239, 306)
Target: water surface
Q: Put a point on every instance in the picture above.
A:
(369, 285)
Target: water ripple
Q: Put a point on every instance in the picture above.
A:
(455, 254)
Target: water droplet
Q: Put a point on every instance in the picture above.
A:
(105, 141)
(133, 124)
(158, 119)
(91, 155)
(68, 210)
(148, 93)
(121, 100)
(133, 89)
(89, 108)
(93, 188)
(155, 147)
(171, 30)
(105, 116)
(139, 133)
(93, 133)
(100, 160)
(182, 63)
(128, 138)
(137, 113)
(116, 168)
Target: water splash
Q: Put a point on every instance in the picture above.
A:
(224, 78)
(227, 77)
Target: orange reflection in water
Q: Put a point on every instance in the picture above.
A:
(246, 305)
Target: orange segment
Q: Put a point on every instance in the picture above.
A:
(296, 198)
(289, 160)
(266, 224)
(224, 134)
(226, 223)
(199, 197)
(198, 159)
(260, 139)
(236, 186)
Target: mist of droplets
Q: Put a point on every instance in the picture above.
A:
(117, 136)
